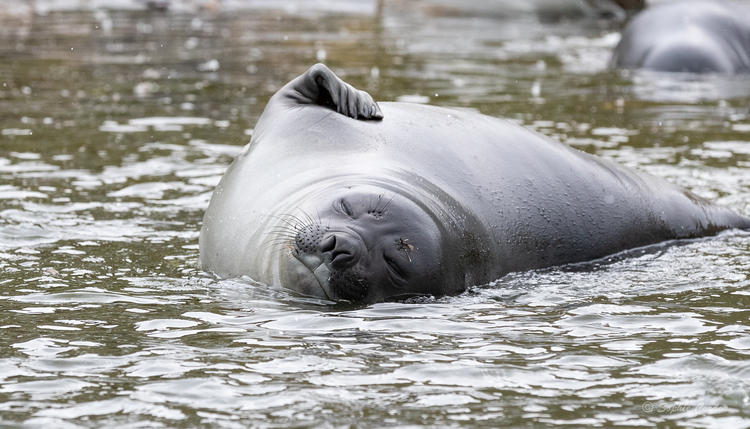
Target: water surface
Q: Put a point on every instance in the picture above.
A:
(116, 124)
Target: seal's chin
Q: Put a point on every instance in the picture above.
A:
(307, 274)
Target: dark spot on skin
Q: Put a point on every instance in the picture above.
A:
(474, 254)
(401, 244)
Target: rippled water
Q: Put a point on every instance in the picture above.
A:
(117, 124)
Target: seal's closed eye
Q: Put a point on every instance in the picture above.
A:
(347, 208)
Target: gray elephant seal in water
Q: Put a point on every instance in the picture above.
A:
(338, 199)
(690, 36)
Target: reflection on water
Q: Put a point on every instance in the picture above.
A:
(116, 125)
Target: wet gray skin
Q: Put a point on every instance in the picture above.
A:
(338, 199)
(688, 36)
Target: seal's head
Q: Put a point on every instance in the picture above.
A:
(365, 244)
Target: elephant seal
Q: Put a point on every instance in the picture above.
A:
(690, 36)
(338, 199)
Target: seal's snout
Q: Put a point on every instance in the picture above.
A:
(342, 248)
(338, 249)
(329, 263)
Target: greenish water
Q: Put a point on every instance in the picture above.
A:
(116, 126)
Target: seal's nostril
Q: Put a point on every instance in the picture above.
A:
(328, 244)
(342, 249)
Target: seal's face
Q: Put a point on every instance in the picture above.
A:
(365, 245)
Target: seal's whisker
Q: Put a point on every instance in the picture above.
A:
(318, 212)
(309, 218)
(288, 216)
(275, 243)
(301, 223)
(291, 224)
(283, 232)
(277, 240)
(288, 228)
(286, 234)
(282, 246)
(297, 219)
(282, 249)
(388, 203)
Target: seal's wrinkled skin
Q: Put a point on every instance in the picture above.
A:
(688, 36)
(340, 198)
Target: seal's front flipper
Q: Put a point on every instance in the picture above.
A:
(319, 85)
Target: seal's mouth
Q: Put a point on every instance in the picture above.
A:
(315, 267)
